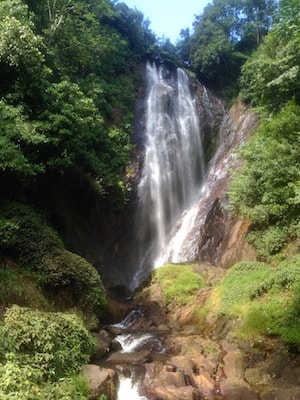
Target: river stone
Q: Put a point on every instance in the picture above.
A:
(183, 364)
(281, 394)
(103, 342)
(175, 393)
(133, 358)
(205, 384)
(167, 378)
(157, 375)
(257, 377)
(100, 381)
(237, 391)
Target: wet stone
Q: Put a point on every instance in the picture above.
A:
(136, 358)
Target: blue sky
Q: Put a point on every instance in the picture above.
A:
(168, 17)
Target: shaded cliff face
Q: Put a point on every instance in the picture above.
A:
(222, 237)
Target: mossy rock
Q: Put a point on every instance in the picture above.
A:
(179, 283)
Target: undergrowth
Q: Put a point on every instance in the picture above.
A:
(266, 299)
(37, 250)
(41, 354)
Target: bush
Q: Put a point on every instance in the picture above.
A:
(270, 240)
(24, 232)
(25, 382)
(179, 283)
(265, 299)
(65, 269)
(55, 343)
(11, 287)
(240, 284)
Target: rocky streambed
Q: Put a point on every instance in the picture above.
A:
(161, 353)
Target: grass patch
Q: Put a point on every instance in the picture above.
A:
(265, 299)
(179, 283)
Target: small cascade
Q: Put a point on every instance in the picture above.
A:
(173, 167)
(128, 390)
(130, 319)
(137, 347)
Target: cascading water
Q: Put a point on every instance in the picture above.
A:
(173, 167)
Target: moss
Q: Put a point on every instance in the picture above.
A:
(179, 283)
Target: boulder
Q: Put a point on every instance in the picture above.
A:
(281, 394)
(103, 342)
(177, 393)
(237, 391)
(205, 384)
(100, 381)
(157, 374)
(137, 358)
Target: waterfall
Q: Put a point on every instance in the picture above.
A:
(173, 164)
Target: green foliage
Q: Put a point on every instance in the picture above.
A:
(25, 382)
(271, 76)
(11, 288)
(55, 343)
(24, 231)
(225, 35)
(18, 136)
(269, 240)
(266, 299)
(68, 91)
(266, 188)
(65, 269)
(240, 284)
(179, 283)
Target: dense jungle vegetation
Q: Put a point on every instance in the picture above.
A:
(70, 74)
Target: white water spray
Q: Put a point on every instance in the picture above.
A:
(173, 166)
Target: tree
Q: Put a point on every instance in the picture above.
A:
(223, 39)
(266, 188)
(19, 138)
(271, 77)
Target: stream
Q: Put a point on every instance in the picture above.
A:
(137, 346)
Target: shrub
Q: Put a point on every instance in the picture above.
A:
(56, 343)
(266, 188)
(179, 283)
(25, 382)
(10, 286)
(66, 269)
(24, 232)
(240, 284)
(270, 240)
(265, 299)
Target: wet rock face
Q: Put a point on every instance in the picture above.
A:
(213, 232)
(222, 238)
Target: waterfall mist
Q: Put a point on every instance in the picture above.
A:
(173, 167)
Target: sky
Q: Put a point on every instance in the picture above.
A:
(168, 17)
